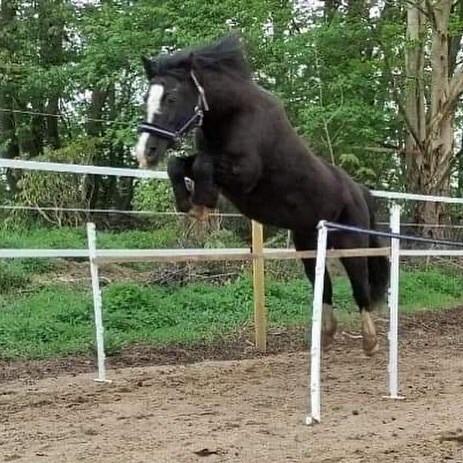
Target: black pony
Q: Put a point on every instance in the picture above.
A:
(247, 149)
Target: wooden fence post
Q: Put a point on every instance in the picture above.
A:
(260, 314)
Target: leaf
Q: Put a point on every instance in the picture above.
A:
(350, 159)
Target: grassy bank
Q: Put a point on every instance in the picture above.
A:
(57, 320)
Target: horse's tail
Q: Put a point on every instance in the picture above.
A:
(378, 266)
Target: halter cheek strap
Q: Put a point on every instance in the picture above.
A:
(196, 120)
(201, 92)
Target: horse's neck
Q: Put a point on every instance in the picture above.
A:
(225, 93)
(228, 97)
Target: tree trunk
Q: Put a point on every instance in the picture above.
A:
(429, 142)
(51, 30)
(8, 136)
(440, 132)
(415, 98)
(91, 183)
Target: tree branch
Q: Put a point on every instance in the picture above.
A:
(415, 4)
(325, 121)
(397, 98)
(431, 14)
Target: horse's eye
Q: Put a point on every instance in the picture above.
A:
(170, 99)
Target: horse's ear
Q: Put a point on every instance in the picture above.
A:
(149, 66)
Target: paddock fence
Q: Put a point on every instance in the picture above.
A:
(395, 236)
(257, 255)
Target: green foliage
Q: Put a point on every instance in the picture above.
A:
(76, 238)
(43, 238)
(53, 321)
(128, 306)
(83, 59)
(153, 195)
(166, 237)
(223, 238)
(52, 190)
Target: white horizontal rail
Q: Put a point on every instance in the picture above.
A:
(39, 253)
(184, 255)
(81, 169)
(416, 197)
(171, 255)
(139, 173)
(431, 253)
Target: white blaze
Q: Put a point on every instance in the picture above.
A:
(153, 107)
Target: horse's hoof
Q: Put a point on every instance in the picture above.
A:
(200, 213)
(370, 345)
(370, 341)
(328, 333)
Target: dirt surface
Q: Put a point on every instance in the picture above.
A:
(248, 410)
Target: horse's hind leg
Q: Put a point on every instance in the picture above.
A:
(307, 241)
(357, 270)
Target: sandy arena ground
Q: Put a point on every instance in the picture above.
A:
(250, 410)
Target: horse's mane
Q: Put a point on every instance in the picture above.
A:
(225, 55)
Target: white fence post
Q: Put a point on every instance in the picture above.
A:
(393, 302)
(315, 354)
(97, 302)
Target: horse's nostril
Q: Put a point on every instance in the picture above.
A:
(151, 152)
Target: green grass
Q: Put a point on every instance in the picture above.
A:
(17, 274)
(43, 238)
(51, 322)
(58, 320)
(76, 238)
(435, 288)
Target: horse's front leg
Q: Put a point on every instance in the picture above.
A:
(206, 192)
(178, 169)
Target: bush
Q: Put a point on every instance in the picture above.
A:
(41, 189)
(153, 195)
(223, 238)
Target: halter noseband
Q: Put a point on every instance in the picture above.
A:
(196, 120)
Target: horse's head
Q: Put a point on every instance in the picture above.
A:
(175, 103)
